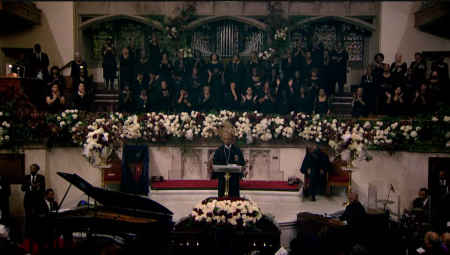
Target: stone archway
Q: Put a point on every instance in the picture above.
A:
(91, 22)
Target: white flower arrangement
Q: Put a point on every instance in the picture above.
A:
(172, 33)
(237, 212)
(266, 54)
(187, 52)
(280, 34)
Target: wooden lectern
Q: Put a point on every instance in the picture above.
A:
(227, 169)
(35, 89)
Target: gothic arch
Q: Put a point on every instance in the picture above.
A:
(242, 19)
(353, 21)
(101, 19)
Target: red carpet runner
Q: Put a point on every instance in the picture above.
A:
(212, 185)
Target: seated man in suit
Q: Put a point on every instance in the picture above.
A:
(422, 201)
(354, 213)
(46, 225)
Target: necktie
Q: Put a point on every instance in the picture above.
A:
(51, 206)
(34, 179)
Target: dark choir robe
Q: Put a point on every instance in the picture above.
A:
(58, 80)
(109, 63)
(419, 69)
(385, 86)
(395, 107)
(267, 106)
(5, 193)
(306, 67)
(398, 73)
(316, 51)
(195, 86)
(203, 105)
(321, 107)
(316, 161)
(256, 83)
(134, 52)
(339, 68)
(370, 89)
(143, 104)
(325, 73)
(181, 68)
(224, 156)
(283, 103)
(288, 68)
(441, 68)
(299, 57)
(79, 74)
(177, 85)
(217, 91)
(301, 103)
(202, 68)
(249, 105)
(166, 69)
(56, 106)
(39, 62)
(355, 215)
(136, 87)
(360, 110)
(81, 103)
(378, 70)
(183, 107)
(155, 84)
(235, 72)
(154, 54)
(298, 82)
(254, 64)
(128, 105)
(141, 66)
(313, 86)
(162, 101)
(126, 70)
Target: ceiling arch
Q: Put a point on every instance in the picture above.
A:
(91, 22)
(353, 21)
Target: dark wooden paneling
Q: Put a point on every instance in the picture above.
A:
(13, 167)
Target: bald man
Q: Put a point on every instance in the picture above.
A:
(431, 245)
(445, 242)
(354, 214)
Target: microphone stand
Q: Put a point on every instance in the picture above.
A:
(385, 203)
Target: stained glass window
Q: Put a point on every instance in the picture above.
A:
(326, 34)
(100, 33)
(126, 33)
(354, 44)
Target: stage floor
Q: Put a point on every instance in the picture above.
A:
(283, 205)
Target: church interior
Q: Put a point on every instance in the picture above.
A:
(224, 127)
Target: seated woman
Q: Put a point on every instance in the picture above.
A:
(55, 100)
(55, 78)
(359, 106)
(200, 63)
(143, 102)
(313, 83)
(205, 102)
(126, 99)
(184, 102)
(248, 102)
(322, 104)
(162, 99)
(266, 99)
(395, 102)
(301, 102)
(370, 89)
(79, 72)
(421, 100)
(255, 81)
(81, 100)
(410, 88)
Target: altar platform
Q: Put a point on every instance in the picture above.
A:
(213, 184)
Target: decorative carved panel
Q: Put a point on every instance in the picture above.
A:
(101, 32)
(191, 165)
(260, 162)
(12, 167)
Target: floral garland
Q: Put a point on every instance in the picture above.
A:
(240, 213)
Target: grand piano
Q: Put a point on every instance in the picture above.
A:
(143, 223)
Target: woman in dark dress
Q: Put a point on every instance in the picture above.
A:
(137, 86)
(81, 100)
(255, 81)
(313, 83)
(339, 57)
(378, 66)
(197, 61)
(162, 99)
(410, 86)
(283, 101)
(273, 78)
(178, 82)
(165, 67)
(395, 102)
(184, 102)
(322, 104)
(421, 100)
(205, 102)
(301, 102)
(248, 102)
(181, 66)
(298, 82)
(235, 72)
(109, 63)
(359, 106)
(126, 101)
(328, 82)
(398, 70)
(55, 78)
(55, 100)
(369, 86)
(215, 81)
(79, 72)
(154, 51)
(266, 99)
(307, 65)
(231, 97)
(126, 67)
(195, 83)
(385, 86)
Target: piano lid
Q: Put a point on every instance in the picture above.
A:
(113, 198)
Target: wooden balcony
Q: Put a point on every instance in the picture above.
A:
(23, 10)
(433, 18)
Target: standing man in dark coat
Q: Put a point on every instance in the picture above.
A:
(109, 63)
(39, 62)
(316, 165)
(34, 186)
(228, 154)
(5, 193)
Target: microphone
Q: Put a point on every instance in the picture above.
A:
(392, 188)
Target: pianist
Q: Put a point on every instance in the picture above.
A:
(225, 155)
(46, 224)
(354, 213)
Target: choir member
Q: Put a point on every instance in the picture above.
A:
(79, 72)
(359, 106)
(288, 65)
(109, 63)
(184, 102)
(133, 51)
(253, 62)
(154, 51)
(419, 67)
(255, 80)
(410, 87)
(298, 82)
(230, 94)
(20, 67)
(34, 186)
(205, 101)
(165, 66)
(143, 102)
(435, 80)
(126, 67)
(273, 77)
(421, 100)
(215, 81)
(248, 102)
(81, 100)
(178, 83)
(55, 100)
(195, 83)
(5, 193)
(315, 166)
(435, 92)
(266, 99)
(301, 102)
(181, 66)
(306, 65)
(395, 102)
(322, 104)
(328, 82)
(275, 63)
(228, 154)
(299, 54)
(162, 99)
(55, 77)
(313, 83)
(142, 65)
(200, 63)
(398, 70)
(339, 58)
(235, 72)
(385, 86)
(441, 67)
(39, 62)
(215, 64)
(378, 66)
(316, 49)
(155, 80)
(283, 102)
(126, 100)
(370, 87)
(136, 87)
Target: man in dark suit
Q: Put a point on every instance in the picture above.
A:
(443, 184)
(46, 224)
(34, 186)
(315, 165)
(39, 62)
(228, 154)
(5, 193)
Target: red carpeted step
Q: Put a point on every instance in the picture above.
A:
(212, 185)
